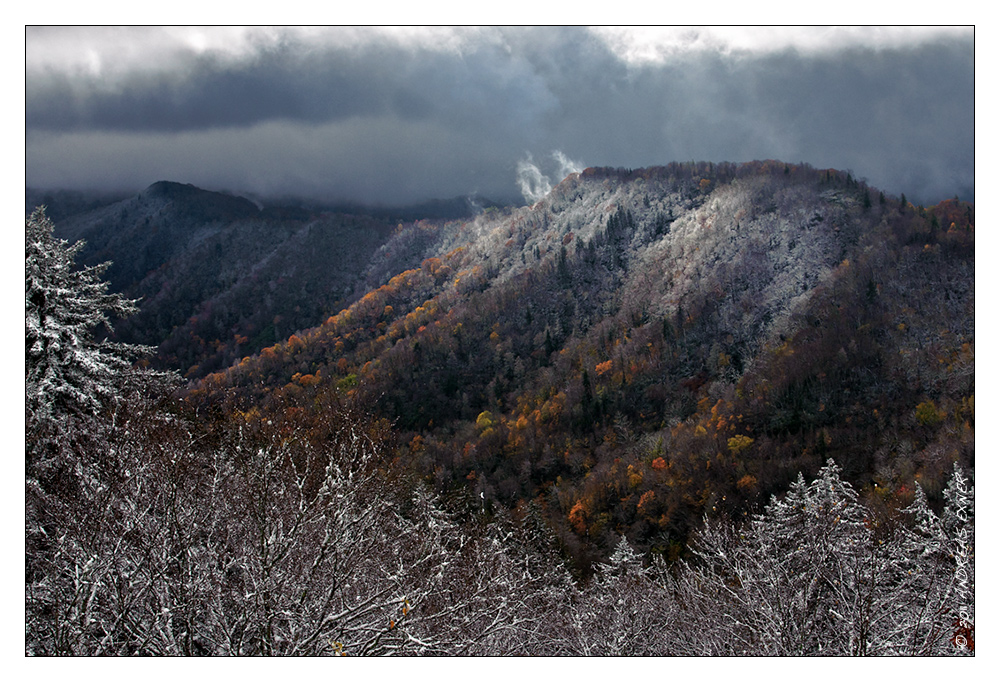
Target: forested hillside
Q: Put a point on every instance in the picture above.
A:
(220, 278)
(644, 347)
(695, 409)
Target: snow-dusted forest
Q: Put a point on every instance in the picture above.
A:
(696, 410)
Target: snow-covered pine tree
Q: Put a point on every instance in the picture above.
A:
(798, 579)
(66, 370)
(626, 611)
(958, 520)
(69, 373)
(935, 583)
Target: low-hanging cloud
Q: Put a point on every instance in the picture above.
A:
(398, 116)
(534, 184)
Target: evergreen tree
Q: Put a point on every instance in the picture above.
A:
(69, 375)
(936, 570)
(626, 611)
(66, 369)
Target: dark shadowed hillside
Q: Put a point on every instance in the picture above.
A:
(219, 278)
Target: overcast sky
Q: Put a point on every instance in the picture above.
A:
(394, 116)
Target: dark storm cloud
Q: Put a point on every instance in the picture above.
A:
(377, 118)
(290, 81)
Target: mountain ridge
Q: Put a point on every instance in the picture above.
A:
(753, 318)
(216, 273)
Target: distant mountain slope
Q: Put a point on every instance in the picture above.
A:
(62, 204)
(143, 232)
(641, 347)
(219, 277)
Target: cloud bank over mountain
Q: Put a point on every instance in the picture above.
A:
(394, 116)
